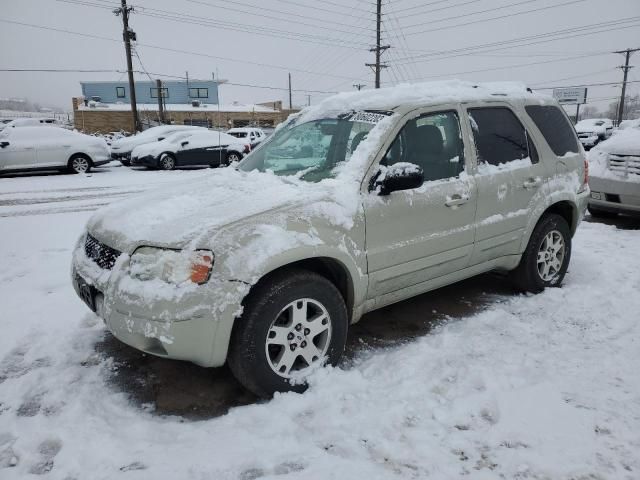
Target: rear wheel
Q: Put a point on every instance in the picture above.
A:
(597, 213)
(167, 161)
(79, 164)
(545, 261)
(292, 323)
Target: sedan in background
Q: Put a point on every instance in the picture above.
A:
(183, 149)
(121, 148)
(50, 148)
(592, 131)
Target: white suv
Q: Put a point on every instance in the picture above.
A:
(363, 200)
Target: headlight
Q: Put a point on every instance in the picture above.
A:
(171, 266)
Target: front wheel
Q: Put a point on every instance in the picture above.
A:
(292, 323)
(233, 157)
(545, 261)
(79, 164)
(167, 162)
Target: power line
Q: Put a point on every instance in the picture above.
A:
(175, 50)
(523, 41)
(515, 14)
(587, 85)
(436, 9)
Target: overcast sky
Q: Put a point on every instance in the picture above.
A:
(323, 43)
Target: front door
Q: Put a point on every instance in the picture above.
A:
(510, 178)
(414, 236)
(16, 153)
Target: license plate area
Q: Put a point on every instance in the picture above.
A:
(87, 292)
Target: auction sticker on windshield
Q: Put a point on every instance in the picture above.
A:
(367, 117)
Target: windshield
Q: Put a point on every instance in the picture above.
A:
(311, 150)
(238, 134)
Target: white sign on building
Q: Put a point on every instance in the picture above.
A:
(571, 95)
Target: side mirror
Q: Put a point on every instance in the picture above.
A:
(400, 176)
(4, 144)
(184, 143)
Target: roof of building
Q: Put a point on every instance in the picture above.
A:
(179, 107)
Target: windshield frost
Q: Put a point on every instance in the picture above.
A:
(311, 150)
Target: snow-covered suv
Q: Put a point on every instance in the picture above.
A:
(363, 200)
(592, 131)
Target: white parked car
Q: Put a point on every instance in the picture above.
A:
(615, 175)
(591, 131)
(47, 148)
(250, 135)
(121, 149)
(180, 149)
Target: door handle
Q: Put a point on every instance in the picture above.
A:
(533, 182)
(456, 199)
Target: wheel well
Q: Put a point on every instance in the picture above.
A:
(80, 154)
(567, 211)
(332, 270)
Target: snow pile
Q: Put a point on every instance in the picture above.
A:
(625, 142)
(533, 387)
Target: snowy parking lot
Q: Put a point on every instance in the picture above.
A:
(472, 380)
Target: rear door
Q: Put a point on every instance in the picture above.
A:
(54, 147)
(414, 236)
(509, 176)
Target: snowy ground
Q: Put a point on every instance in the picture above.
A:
(539, 387)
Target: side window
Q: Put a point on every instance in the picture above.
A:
(499, 136)
(555, 128)
(431, 141)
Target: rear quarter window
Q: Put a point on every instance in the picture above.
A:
(555, 128)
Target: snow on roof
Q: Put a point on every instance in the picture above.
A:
(180, 107)
(421, 94)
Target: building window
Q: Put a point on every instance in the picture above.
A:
(199, 92)
(120, 92)
(164, 92)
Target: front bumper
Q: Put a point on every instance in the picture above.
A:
(193, 325)
(589, 141)
(146, 161)
(615, 195)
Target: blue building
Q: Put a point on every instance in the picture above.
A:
(174, 92)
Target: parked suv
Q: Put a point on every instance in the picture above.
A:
(615, 179)
(592, 131)
(361, 201)
(250, 135)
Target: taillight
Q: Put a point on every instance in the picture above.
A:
(586, 173)
(247, 148)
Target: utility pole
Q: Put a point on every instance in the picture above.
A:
(290, 103)
(625, 69)
(308, 100)
(378, 49)
(359, 86)
(160, 98)
(127, 36)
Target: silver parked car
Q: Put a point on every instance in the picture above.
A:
(615, 175)
(363, 200)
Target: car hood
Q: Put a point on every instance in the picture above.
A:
(129, 143)
(190, 214)
(590, 128)
(153, 148)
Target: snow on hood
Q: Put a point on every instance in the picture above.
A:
(188, 215)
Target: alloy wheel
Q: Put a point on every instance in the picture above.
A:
(80, 164)
(551, 255)
(298, 338)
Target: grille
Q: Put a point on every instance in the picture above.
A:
(626, 164)
(100, 253)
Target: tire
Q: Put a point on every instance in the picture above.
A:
(126, 163)
(233, 157)
(265, 337)
(79, 164)
(167, 162)
(597, 213)
(545, 261)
